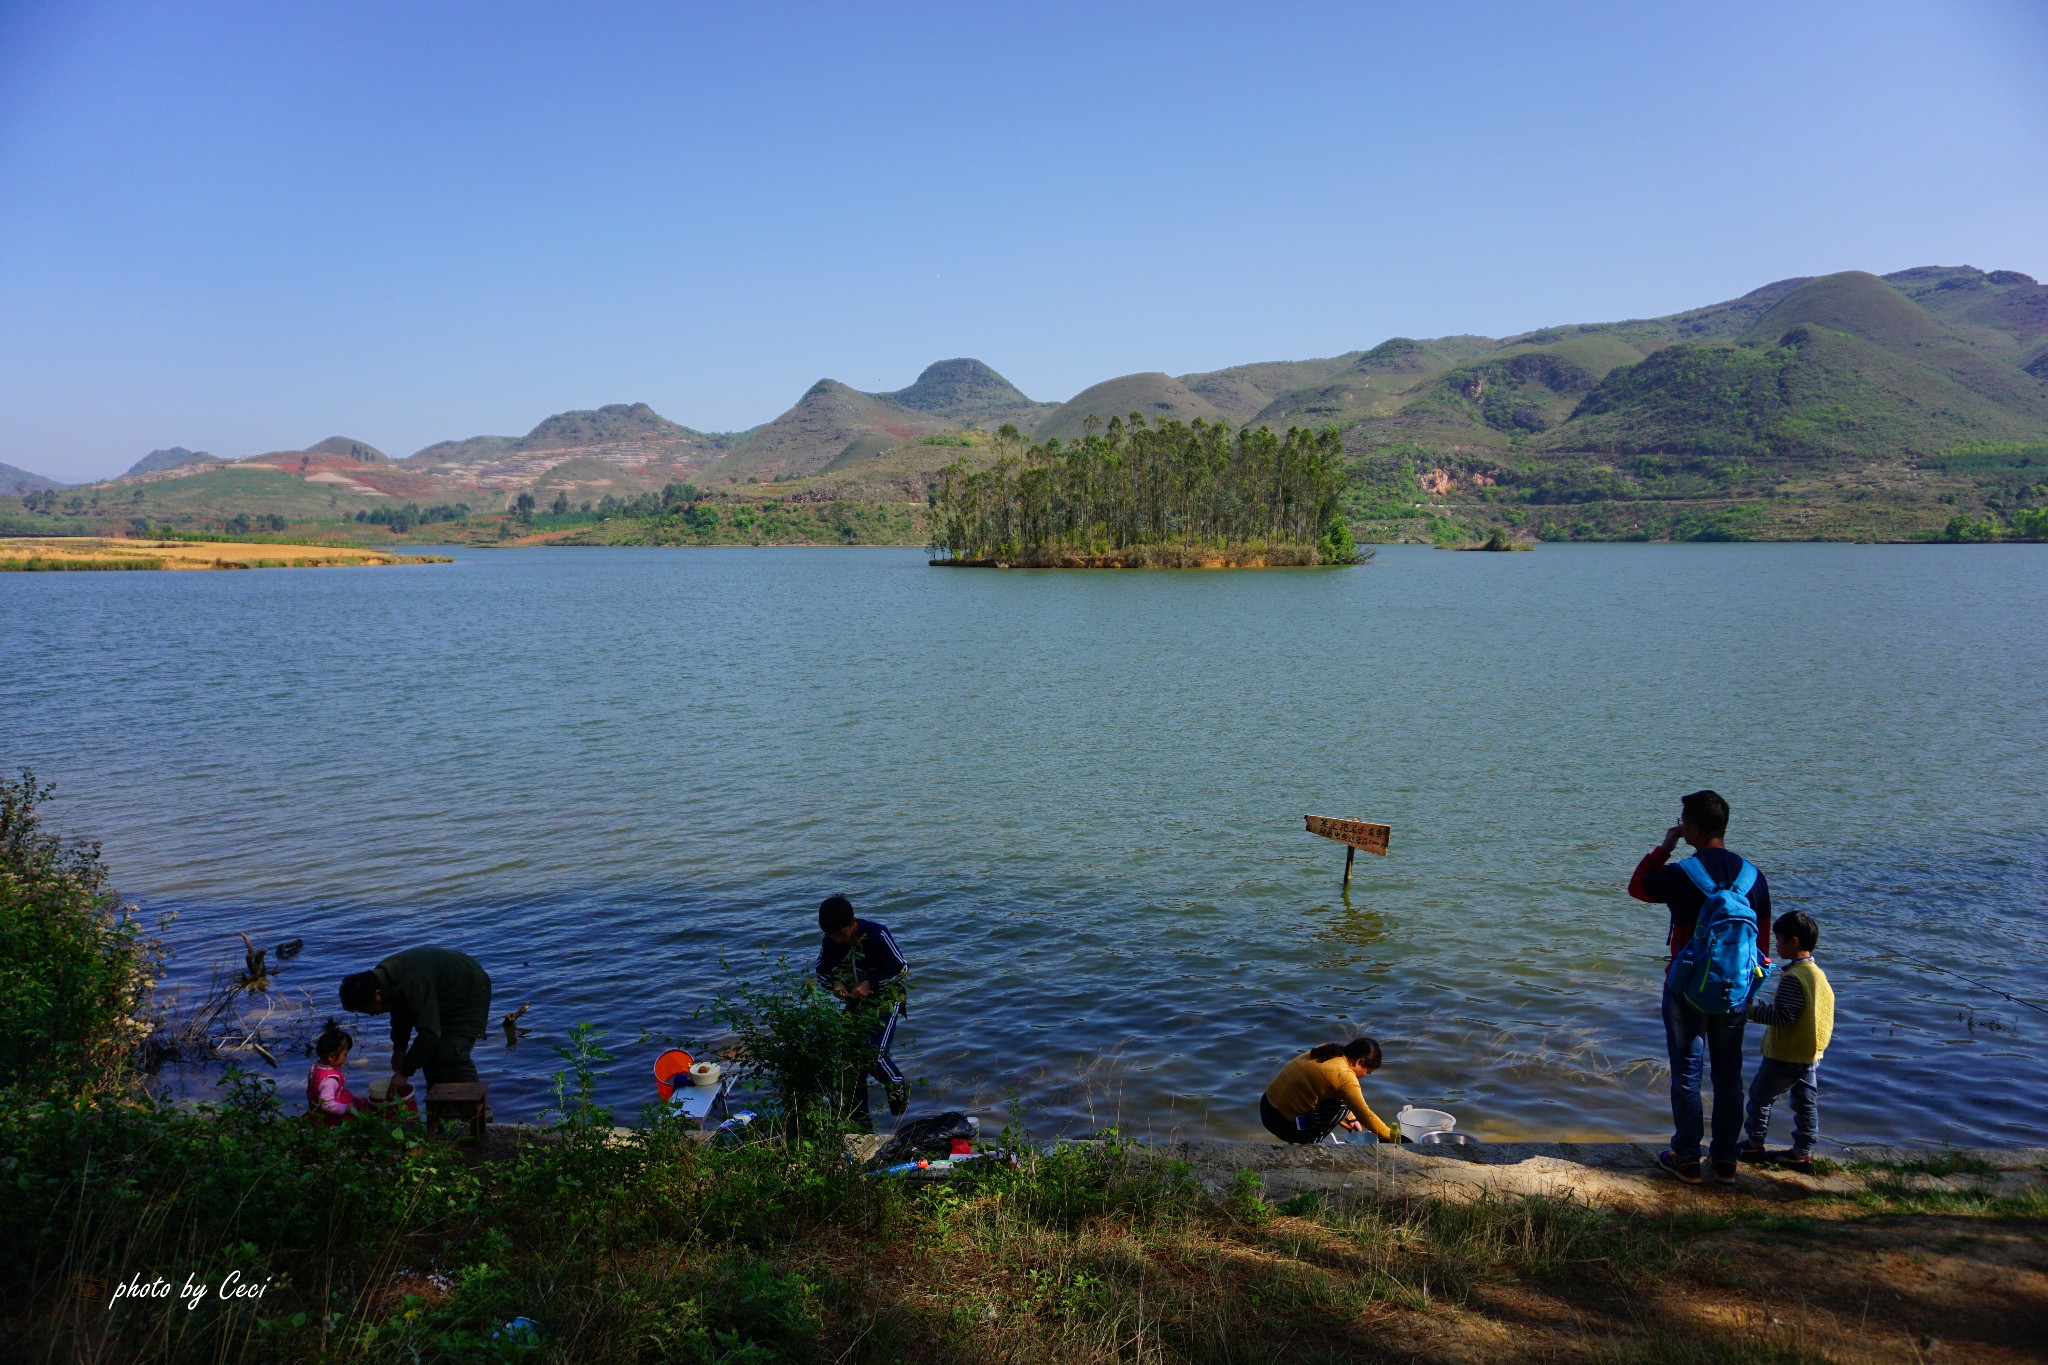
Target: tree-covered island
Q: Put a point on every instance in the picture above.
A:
(1133, 495)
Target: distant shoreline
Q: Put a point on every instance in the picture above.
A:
(95, 554)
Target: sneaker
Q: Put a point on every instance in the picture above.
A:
(1797, 1163)
(1753, 1151)
(899, 1099)
(1724, 1173)
(1687, 1169)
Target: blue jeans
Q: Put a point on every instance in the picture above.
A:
(1774, 1078)
(1685, 1031)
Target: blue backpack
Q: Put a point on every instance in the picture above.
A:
(1719, 965)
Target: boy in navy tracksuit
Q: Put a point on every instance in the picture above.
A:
(858, 961)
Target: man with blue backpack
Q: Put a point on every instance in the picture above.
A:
(1720, 919)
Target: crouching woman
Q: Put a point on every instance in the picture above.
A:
(1312, 1093)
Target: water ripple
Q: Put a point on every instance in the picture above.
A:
(1077, 799)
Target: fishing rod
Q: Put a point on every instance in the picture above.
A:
(1950, 971)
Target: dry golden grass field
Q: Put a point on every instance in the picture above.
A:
(93, 552)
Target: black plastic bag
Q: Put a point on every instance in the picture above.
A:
(929, 1138)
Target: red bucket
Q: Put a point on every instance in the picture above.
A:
(671, 1069)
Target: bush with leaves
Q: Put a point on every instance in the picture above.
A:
(800, 1043)
(77, 968)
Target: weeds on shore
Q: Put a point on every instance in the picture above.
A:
(374, 1242)
(581, 1242)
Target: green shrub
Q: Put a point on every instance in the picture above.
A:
(2030, 524)
(76, 967)
(1338, 545)
(799, 1041)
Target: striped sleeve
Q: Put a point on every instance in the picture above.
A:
(1783, 1008)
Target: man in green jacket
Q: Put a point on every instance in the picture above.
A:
(440, 1004)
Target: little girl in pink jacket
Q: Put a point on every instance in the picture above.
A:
(327, 1096)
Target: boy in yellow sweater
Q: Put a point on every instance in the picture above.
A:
(1800, 1019)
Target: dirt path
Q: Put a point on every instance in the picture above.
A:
(1604, 1174)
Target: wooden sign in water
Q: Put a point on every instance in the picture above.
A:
(1353, 834)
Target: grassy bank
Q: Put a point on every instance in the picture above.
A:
(374, 1244)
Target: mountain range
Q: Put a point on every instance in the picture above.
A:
(1799, 377)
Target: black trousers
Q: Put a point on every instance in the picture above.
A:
(1313, 1126)
(881, 1066)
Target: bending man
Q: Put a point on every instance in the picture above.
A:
(439, 1001)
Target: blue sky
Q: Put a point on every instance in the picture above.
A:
(244, 227)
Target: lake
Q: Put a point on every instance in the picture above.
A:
(1076, 798)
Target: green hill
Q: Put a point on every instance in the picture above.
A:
(967, 391)
(2003, 311)
(2035, 361)
(1821, 395)
(600, 426)
(1722, 321)
(211, 492)
(14, 482)
(344, 448)
(1477, 406)
(830, 426)
(613, 424)
(1596, 353)
(448, 454)
(1157, 396)
(175, 457)
(1368, 384)
(1827, 412)
(1863, 305)
(1243, 391)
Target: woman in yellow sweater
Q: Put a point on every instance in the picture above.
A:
(1309, 1096)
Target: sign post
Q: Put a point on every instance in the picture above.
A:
(1354, 835)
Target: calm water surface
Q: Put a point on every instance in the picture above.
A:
(1077, 799)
